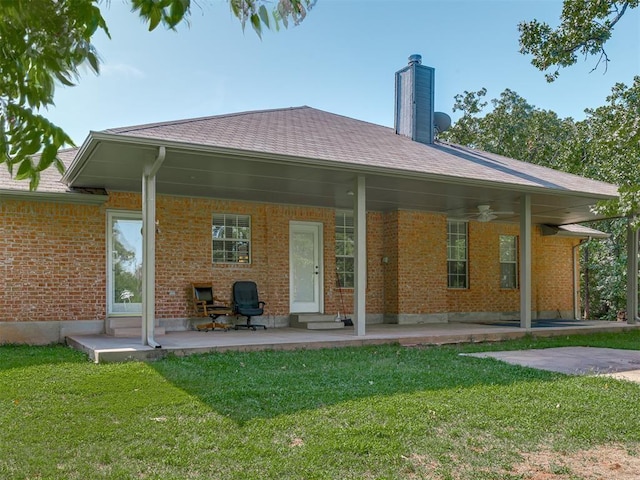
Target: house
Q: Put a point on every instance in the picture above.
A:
(325, 213)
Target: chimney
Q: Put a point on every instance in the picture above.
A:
(415, 101)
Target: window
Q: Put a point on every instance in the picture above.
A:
(231, 238)
(457, 276)
(345, 241)
(508, 261)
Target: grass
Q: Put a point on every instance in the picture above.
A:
(381, 412)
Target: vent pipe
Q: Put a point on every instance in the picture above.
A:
(415, 101)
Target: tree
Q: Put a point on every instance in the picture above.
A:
(513, 128)
(585, 27)
(44, 42)
(611, 145)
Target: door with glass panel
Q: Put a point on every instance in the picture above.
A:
(124, 263)
(305, 265)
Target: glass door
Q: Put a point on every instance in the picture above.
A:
(124, 263)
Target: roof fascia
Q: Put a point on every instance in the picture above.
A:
(80, 160)
(94, 138)
(565, 231)
(54, 197)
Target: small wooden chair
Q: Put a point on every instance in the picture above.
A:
(207, 305)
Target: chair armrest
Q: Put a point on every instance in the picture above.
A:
(221, 301)
(261, 304)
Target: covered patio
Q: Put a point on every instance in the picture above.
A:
(104, 348)
(391, 175)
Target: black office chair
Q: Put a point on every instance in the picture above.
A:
(247, 304)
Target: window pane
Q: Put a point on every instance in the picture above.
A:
(508, 261)
(348, 280)
(508, 275)
(231, 238)
(457, 254)
(345, 248)
(125, 275)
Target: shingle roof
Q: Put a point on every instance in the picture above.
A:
(49, 179)
(305, 132)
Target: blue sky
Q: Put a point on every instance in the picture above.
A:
(342, 59)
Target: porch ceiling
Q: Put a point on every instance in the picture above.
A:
(116, 164)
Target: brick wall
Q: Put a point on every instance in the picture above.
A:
(417, 262)
(53, 260)
(552, 271)
(484, 292)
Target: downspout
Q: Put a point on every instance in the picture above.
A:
(149, 248)
(632, 272)
(576, 279)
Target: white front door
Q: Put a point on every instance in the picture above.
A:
(305, 267)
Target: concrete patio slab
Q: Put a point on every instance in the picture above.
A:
(622, 364)
(104, 348)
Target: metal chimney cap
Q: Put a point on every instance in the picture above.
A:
(415, 59)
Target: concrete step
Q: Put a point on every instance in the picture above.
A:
(124, 322)
(134, 331)
(314, 321)
(128, 327)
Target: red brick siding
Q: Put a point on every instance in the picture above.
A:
(417, 262)
(53, 260)
(552, 271)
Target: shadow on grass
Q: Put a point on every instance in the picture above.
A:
(248, 385)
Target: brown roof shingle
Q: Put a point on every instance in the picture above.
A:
(49, 178)
(305, 132)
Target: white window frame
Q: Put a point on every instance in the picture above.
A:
(345, 277)
(127, 308)
(453, 254)
(512, 262)
(220, 236)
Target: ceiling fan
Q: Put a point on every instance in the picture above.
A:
(486, 213)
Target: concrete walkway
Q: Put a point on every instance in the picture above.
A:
(621, 364)
(103, 348)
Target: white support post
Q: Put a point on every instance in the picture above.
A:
(360, 283)
(632, 273)
(149, 249)
(525, 262)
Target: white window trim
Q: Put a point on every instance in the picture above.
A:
(247, 240)
(119, 214)
(514, 262)
(344, 213)
(466, 253)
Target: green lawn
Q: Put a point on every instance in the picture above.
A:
(385, 412)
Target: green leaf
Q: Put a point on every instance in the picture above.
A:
(47, 157)
(155, 16)
(264, 15)
(25, 170)
(59, 165)
(62, 78)
(255, 23)
(94, 62)
(35, 181)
